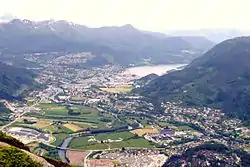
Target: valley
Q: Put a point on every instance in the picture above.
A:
(156, 83)
(96, 113)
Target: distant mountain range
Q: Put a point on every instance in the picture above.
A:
(123, 45)
(215, 35)
(220, 78)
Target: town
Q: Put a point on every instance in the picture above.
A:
(96, 112)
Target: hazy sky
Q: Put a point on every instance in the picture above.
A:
(156, 15)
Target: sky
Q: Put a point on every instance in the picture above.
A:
(154, 15)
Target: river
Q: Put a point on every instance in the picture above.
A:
(142, 71)
(62, 150)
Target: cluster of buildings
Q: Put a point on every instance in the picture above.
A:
(27, 135)
(136, 157)
(70, 84)
(165, 134)
(207, 125)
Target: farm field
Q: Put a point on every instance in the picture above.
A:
(128, 140)
(121, 89)
(72, 127)
(76, 157)
(141, 132)
(68, 125)
(85, 125)
(136, 142)
(53, 109)
(85, 111)
(42, 123)
(114, 136)
(45, 125)
(83, 117)
(59, 139)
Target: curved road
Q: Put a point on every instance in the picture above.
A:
(28, 109)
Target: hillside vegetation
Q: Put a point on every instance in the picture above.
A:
(220, 78)
(14, 81)
(13, 157)
(14, 153)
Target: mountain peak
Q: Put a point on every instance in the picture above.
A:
(128, 27)
(16, 21)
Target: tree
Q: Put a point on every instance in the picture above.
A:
(13, 157)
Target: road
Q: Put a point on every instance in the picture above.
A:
(28, 109)
(85, 158)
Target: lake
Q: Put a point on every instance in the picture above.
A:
(142, 71)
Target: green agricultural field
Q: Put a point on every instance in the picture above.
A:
(129, 140)
(85, 125)
(114, 136)
(59, 129)
(85, 111)
(82, 143)
(79, 142)
(97, 146)
(137, 142)
(59, 139)
(82, 116)
(52, 128)
(53, 109)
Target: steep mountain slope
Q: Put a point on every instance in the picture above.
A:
(220, 78)
(15, 153)
(14, 81)
(146, 79)
(125, 44)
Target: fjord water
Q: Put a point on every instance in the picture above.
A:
(142, 71)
